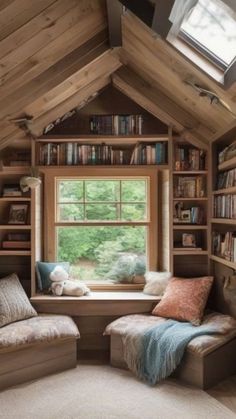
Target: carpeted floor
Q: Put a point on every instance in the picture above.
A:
(102, 392)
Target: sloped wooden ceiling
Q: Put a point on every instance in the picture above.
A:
(54, 56)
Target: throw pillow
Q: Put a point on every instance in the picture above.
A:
(156, 282)
(185, 299)
(14, 303)
(43, 271)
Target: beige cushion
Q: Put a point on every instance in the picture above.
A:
(185, 299)
(14, 303)
(40, 329)
(201, 345)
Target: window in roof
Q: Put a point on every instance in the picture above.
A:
(211, 29)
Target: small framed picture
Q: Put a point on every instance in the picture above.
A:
(188, 240)
(185, 216)
(18, 214)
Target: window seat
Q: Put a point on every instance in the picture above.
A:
(98, 303)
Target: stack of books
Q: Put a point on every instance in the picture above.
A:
(225, 206)
(227, 153)
(155, 153)
(11, 190)
(189, 158)
(226, 179)
(16, 241)
(224, 245)
(189, 187)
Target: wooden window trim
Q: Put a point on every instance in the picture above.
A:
(86, 172)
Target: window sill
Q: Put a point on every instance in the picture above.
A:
(98, 303)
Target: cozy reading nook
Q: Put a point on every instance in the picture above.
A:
(118, 204)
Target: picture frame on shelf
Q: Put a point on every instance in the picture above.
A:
(18, 214)
(185, 216)
(188, 240)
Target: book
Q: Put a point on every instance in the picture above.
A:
(11, 190)
(10, 244)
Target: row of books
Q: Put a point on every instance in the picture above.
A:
(52, 154)
(116, 124)
(226, 179)
(150, 153)
(224, 245)
(227, 153)
(188, 158)
(189, 187)
(225, 206)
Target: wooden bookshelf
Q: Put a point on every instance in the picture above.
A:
(228, 164)
(225, 191)
(188, 261)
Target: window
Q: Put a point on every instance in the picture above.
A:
(104, 226)
(211, 29)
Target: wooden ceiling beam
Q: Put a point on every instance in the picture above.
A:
(54, 76)
(78, 100)
(155, 102)
(114, 11)
(18, 12)
(100, 66)
(88, 26)
(160, 22)
(143, 9)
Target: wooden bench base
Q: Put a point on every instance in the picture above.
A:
(203, 372)
(36, 361)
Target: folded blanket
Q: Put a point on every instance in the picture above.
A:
(155, 354)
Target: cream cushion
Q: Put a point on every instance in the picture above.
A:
(43, 328)
(14, 303)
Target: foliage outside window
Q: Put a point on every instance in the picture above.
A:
(102, 227)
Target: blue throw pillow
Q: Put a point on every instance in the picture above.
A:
(43, 270)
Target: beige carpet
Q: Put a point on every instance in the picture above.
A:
(102, 392)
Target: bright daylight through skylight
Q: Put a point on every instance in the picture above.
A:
(213, 25)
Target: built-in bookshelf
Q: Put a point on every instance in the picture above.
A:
(223, 221)
(189, 202)
(102, 150)
(19, 227)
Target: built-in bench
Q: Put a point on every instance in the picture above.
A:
(207, 360)
(36, 347)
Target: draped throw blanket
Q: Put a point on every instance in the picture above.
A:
(156, 352)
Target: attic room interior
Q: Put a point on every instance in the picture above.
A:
(118, 209)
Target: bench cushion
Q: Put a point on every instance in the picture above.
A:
(43, 328)
(202, 345)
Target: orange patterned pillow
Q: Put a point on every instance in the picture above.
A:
(185, 299)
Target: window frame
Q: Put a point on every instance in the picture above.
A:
(50, 209)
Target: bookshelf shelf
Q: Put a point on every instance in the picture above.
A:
(227, 221)
(190, 199)
(225, 191)
(189, 252)
(15, 227)
(14, 170)
(98, 139)
(228, 164)
(15, 253)
(223, 261)
(189, 172)
(103, 166)
(189, 227)
(15, 199)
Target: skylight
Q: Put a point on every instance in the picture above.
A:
(211, 26)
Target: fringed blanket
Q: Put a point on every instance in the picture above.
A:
(155, 354)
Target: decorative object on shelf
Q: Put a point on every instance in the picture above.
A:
(188, 240)
(30, 182)
(18, 214)
(191, 215)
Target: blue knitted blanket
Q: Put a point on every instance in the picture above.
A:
(159, 350)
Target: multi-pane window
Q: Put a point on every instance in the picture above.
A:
(102, 227)
(211, 29)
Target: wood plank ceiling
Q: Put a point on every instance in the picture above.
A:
(54, 56)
